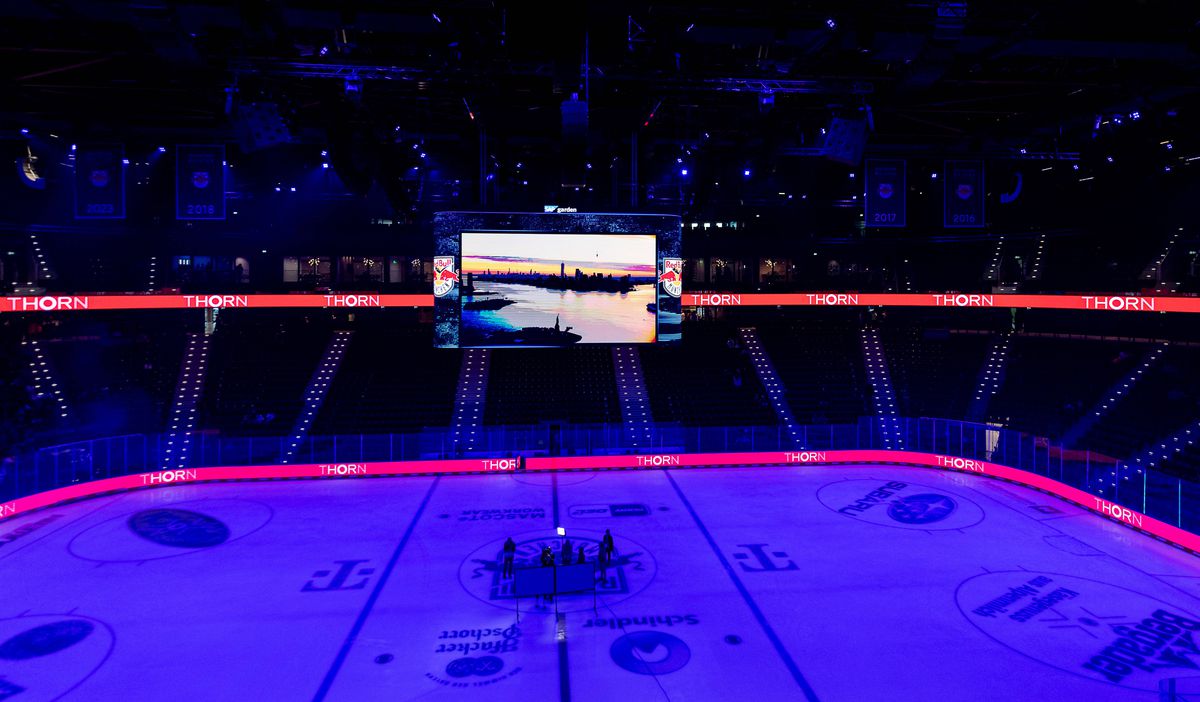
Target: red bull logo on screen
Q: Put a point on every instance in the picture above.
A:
(671, 276)
(444, 276)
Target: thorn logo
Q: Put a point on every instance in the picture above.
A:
(352, 300)
(168, 476)
(961, 464)
(886, 191)
(217, 300)
(46, 303)
(343, 468)
(1120, 513)
(805, 456)
(671, 276)
(444, 276)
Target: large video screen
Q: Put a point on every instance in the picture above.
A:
(556, 280)
(546, 289)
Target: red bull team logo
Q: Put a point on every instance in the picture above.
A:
(200, 179)
(672, 276)
(885, 190)
(964, 191)
(444, 276)
(99, 178)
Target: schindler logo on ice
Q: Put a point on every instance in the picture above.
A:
(168, 476)
(8, 509)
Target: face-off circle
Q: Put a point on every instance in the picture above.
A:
(900, 504)
(172, 529)
(630, 571)
(45, 656)
(179, 527)
(1099, 631)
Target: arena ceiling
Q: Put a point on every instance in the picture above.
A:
(949, 74)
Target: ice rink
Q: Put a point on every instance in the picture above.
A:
(821, 583)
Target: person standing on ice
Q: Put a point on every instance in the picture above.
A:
(606, 545)
(568, 552)
(510, 551)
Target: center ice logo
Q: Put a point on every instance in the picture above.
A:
(1085, 627)
(630, 571)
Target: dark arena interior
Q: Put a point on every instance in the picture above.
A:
(465, 350)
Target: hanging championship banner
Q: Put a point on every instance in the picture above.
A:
(100, 182)
(885, 203)
(963, 194)
(199, 181)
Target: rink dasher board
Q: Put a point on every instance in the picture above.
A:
(1144, 524)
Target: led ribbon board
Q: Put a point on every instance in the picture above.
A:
(1146, 524)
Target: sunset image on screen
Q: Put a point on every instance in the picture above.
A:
(537, 289)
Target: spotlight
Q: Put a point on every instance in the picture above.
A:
(831, 23)
(24, 131)
(933, 175)
(162, 149)
(1135, 115)
(324, 152)
(746, 172)
(683, 171)
(324, 165)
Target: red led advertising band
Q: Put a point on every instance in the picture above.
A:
(135, 301)
(1146, 524)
